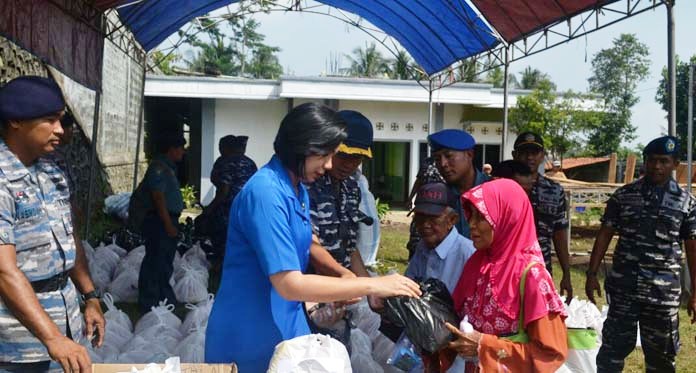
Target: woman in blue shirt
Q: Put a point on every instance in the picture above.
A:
(259, 303)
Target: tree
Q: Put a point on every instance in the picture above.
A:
(367, 62)
(682, 99)
(401, 66)
(239, 52)
(164, 62)
(615, 76)
(531, 78)
(495, 77)
(560, 120)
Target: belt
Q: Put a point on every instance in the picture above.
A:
(54, 283)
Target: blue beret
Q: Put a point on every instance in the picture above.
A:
(665, 145)
(451, 139)
(29, 97)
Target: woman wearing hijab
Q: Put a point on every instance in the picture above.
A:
(488, 292)
(263, 284)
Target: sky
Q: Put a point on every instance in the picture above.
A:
(308, 41)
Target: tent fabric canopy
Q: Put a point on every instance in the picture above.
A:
(436, 33)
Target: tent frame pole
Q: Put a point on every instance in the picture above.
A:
(672, 71)
(690, 131)
(92, 162)
(506, 91)
(430, 111)
(141, 120)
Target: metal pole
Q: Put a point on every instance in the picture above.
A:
(93, 161)
(140, 128)
(690, 131)
(506, 89)
(672, 70)
(430, 109)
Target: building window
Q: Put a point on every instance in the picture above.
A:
(486, 153)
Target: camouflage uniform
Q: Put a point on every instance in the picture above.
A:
(335, 215)
(644, 282)
(427, 174)
(549, 203)
(234, 172)
(35, 217)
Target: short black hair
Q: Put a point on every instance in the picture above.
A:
(168, 140)
(308, 129)
(510, 168)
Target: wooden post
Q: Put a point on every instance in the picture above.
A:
(630, 168)
(612, 169)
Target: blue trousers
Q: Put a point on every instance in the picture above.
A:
(158, 264)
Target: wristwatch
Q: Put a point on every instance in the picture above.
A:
(90, 295)
(590, 273)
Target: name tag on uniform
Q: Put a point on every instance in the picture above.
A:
(25, 208)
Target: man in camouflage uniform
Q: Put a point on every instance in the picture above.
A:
(549, 204)
(335, 199)
(230, 172)
(41, 268)
(652, 216)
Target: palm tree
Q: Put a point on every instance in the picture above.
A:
(367, 63)
(401, 66)
(531, 78)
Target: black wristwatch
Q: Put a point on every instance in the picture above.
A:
(591, 273)
(90, 295)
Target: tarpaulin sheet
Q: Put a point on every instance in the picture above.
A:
(49, 32)
(515, 19)
(435, 33)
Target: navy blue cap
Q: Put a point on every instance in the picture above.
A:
(451, 139)
(30, 97)
(433, 199)
(359, 129)
(665, 145)
(529, 140)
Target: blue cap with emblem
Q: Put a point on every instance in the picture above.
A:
(30, 97)
(451, 139)
(665, 145)
(360, 137)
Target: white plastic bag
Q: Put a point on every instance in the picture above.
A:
(106, 258)
(116, 335)
(124, 287)
(108, 354)
(361, 353)
(365, 319)
(118, 250)
(114, 315)
(161, 314)
(165, 336)
(197, 317)
(192, 348)
(196, 255)
(313, 353)
(192, 287)
(100, 277)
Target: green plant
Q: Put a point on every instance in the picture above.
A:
(382, 209)
(188, 193)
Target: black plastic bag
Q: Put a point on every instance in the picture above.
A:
(423, 319)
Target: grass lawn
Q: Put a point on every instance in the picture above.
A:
(393, 255)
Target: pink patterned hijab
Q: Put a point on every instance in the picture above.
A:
(488, 289)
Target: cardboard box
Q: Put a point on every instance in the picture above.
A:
(185, 368)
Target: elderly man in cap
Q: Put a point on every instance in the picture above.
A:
(453, 151)
(549, 204)
(163, 204)
(230, 172)
(652, 216)
(43, 269)
(442, 251)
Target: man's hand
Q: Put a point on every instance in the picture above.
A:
(70, 355)
(566, 287)
(94, 320)
(592, 286)
(466, 344)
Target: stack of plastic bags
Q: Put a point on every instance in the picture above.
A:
(191, 349)
(117, 205)
(367, 323)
